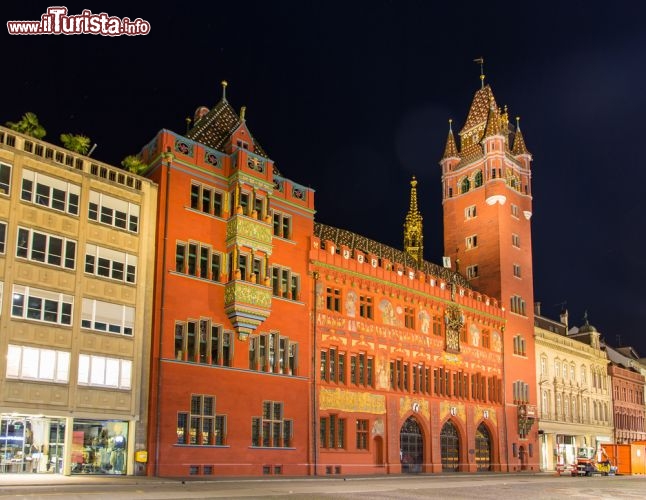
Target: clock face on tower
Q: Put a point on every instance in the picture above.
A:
(454, 322)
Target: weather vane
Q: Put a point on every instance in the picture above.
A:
(480, 61)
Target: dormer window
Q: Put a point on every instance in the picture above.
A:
(242, 144)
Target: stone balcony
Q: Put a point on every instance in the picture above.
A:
(246, 305)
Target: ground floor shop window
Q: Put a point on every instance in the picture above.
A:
(99, 447)
(31, 444)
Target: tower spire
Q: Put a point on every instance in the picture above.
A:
(451, 149)
(519, 147)
(480, 61)
(413, 237)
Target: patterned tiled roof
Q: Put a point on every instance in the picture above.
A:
(493, 122)
(366, 245)
(479, 108)
(215, 128)
(519, 147)
(451, 148)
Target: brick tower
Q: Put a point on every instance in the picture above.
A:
(487, 204)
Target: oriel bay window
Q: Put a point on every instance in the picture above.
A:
(201, 426)
(200, 341)
(270, 352)
(332, 432)
(272, 430)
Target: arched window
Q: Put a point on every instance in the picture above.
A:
(465, 185)
(558, 405)
(477, 179)
(545, 405)
(583, 377)
(574, 408)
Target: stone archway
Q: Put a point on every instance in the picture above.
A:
(483, 448)
(411, 446)
(450, 446)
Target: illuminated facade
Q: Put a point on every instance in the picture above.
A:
(76, 270)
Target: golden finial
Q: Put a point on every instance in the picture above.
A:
(413, 182)
(224, 90)
(518, 123)
(450, 122)
(243, 112)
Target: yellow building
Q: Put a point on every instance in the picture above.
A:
(76, 274)
(575, 398)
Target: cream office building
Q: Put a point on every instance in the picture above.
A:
(76, 273)
(574, 393)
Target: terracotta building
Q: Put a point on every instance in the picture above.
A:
(76, 269)
(231, 351)
(487, 201)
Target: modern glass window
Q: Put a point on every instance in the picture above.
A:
(50, 192)
(46, 248)
(102, 371)
(113, 212)
(108, 317)
(5, 178)
(109, 263)
(41, 305)
(31, 363)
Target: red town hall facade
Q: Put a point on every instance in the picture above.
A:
(285, 346)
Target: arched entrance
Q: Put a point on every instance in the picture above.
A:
(450, 445)
(483, 448)
(411, 446)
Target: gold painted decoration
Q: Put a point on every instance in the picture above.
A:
(416, 405)
(452, 409)
(245, 231)
(454, 320)
(350, 401)
(483, 413)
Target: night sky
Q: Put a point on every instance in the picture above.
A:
(353, 98)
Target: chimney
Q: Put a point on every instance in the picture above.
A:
(564, 318)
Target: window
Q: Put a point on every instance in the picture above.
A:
(107, 317)
(332, 432)
(514, 210)
(197, 259)
(421, 379)
(472, 271)
(285, 284)
(543, 367)
(515, 240)
(282, 225)
(438, 326)
(477, 179)
(3, 236)
(102, 371)
(557, 368)
(203, 342)
(46, 248)
(517, 270)
(270, 352)
(517, 305)
(271, 430)
(365, 307)
(362, 434)
(583, 375)
(521, 392)
(113, 212)
(207, 200)
(470, 212)
(109, 263)
(5, 178)
(333, 366)
(31, 363)
(471, 242)
(50, 192)
(486, 339)
(41, 305)
(362, 370)
(409, 317)
(465, 185)
(520, 346)
(201, 426)
(333, 299)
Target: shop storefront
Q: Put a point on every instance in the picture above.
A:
(37, 444)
